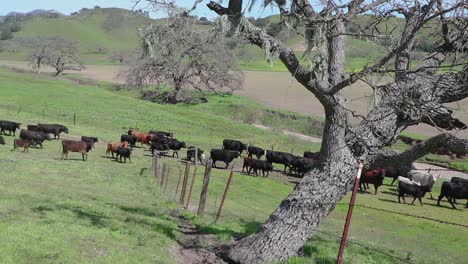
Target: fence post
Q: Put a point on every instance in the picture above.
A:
(218, 215)
(43, 114)
(74, 118)
(178, 182)
(155, 168)
(204, 191)
(167, 177)
(163, 176)
(184, 183)
(191, 188)
(350, 213)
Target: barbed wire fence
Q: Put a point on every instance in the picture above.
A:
(224, 195)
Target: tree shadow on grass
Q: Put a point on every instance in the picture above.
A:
(169, 231)
(390, 193)
(250, 227)
(96, 218)
(42, 210)
(138, 210)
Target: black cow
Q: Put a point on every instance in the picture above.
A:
(161, 133)
(9, 126)
(311, 155)
(412, 189)
(453, 190)
(90, 140)
(234, 145)
(223, 155)
(248, 162)
(394, 172)
(37, 137)
(303, 165)
(2, 141)
(160, 139)
(258, 152)
(262, 165)
(281, 158)
(131, 139)
(32, 128)
(175, 146)
(123, 153)
(162, 149)
(191, 153)
(460, 180)
(53, 129)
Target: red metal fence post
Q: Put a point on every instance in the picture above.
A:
(350, 213)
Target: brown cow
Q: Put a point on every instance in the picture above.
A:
(112, 147)
(76, 146)
(143, 138)
(375, 177)
(22, 143)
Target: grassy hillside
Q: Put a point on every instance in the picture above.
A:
(100, 211)
(100, 32)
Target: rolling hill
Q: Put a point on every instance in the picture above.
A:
(102, 31)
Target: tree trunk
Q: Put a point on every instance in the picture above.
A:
(298, 216)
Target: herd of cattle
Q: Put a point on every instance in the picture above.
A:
(415, 183)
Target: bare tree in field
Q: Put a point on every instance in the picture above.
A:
(177, 56)
(416, 94)
(64, 56)
(55, 52)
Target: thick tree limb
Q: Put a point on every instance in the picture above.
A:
(405, 159)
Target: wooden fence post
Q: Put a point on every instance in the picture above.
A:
(218, 215)
(204, 191)
(167, 177)
(191, 188)
(74, 118)
(184, 183)
(178, 182)
(163, 176)
(155, 168)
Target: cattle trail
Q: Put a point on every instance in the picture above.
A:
(291, 133)
(194, 247)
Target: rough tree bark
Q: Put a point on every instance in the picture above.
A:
(416, 96)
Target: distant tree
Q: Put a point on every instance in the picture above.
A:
(97, 7)
(203, 19)
(64, 57)
(55, 52)
(6, 34)
(73, 13)
(16, 27)
(177, 56)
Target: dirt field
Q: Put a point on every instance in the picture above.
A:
(279, 90)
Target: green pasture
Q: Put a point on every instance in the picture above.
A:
(102, 211)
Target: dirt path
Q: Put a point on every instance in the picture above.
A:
(294, 134)
(443, 172)
(194, 247)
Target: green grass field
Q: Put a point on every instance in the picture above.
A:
(102, 211)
